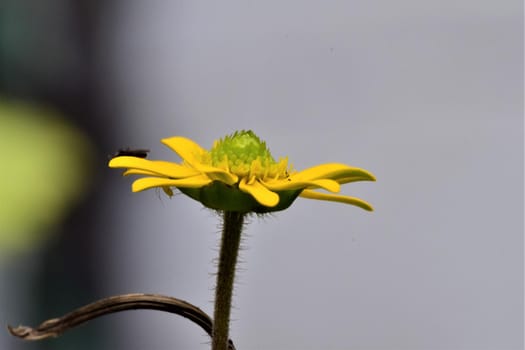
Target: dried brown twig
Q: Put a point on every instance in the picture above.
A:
(56, 326)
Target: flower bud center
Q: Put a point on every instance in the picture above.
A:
(243, 153)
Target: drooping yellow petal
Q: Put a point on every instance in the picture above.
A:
(145, 183)
(334, 171)
(159, 167)
(336, 198)
(290, 184)
(187, 149)
(345, 180)
(261, 194)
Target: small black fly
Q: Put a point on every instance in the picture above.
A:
(139, 153)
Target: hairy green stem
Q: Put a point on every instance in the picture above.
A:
(230, 242)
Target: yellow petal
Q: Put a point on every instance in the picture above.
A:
(139, 172)
(187, 149)
(291, 184)
(345, 180)
(159, 167)
(217, 174)
(193, 155)
(261, 194)
(336, 198)
(150, 182)
(334, 171)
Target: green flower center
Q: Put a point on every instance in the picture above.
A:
(244, 154)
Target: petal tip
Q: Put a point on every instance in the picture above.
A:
(367, 175)
(368, 207)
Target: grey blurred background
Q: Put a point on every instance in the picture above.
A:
(426, 95)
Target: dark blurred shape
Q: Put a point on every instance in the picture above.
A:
(140, 153)
(47, 58)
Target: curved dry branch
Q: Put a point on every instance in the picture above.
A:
(56, 326)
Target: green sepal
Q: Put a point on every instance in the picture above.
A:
(220, 196)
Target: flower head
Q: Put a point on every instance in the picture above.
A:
(240, 174)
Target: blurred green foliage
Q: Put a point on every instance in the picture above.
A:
(44, 169)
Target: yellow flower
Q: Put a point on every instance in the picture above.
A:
(239, 174)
